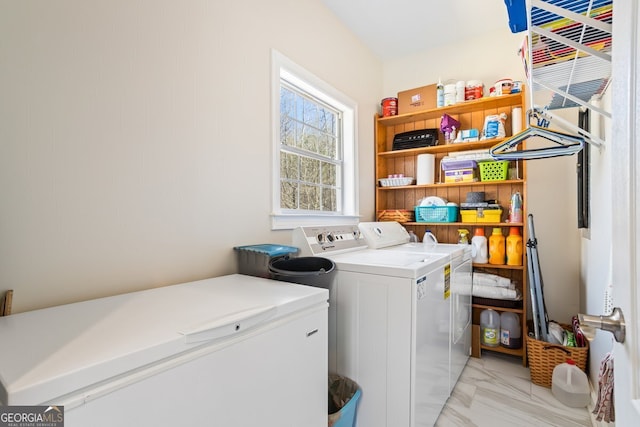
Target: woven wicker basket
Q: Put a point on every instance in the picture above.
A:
(399, 215)
(544, 356)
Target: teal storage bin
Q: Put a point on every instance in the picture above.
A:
(344, 395)
(253, 260)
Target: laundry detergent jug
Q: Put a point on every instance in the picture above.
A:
(490, 328)
(497, 247)
(479, 247)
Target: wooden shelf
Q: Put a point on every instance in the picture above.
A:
(493, 307)
(470, 114)
(504, 266)
(444, 148)
(486, 103)
(469, 224)
(453, 184)
(500, 349)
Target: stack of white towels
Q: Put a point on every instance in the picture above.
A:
(487, 285)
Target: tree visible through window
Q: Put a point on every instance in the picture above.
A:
(314, 149)
(310, 155)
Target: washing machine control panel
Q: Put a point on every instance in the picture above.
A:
(330, 239)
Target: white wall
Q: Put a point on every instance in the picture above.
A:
(490, 57)
(135, 136)
(596, 245)
(551, 183)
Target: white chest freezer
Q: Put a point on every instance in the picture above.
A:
(230, 351)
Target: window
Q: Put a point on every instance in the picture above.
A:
(314, 145)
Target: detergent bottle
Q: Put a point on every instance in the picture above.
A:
(429, 239)
(463, 236)
(479, 248)
(514, 247)
(496, 247)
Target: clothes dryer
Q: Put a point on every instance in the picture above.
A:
(382, 331)
(458, 323)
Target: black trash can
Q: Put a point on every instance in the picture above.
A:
(313, 271)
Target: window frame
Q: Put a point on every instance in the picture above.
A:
(284, 68)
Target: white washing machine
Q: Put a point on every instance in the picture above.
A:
(379, 234)
(384, 331)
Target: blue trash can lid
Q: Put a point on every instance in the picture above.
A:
(269, 249)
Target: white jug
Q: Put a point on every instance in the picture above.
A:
(570, 385)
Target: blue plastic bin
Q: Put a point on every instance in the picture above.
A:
(347, 389)
(516, 9)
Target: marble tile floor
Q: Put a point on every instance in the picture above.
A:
(496, 391)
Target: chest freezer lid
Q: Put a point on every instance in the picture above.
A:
(59, 350)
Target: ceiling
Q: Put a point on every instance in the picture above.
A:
(396, 28)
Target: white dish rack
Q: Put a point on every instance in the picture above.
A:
(395, 182)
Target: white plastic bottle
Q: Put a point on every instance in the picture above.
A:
(429, 239)
(440, 94)
(479, 247)
(412, 237)
(570, 385)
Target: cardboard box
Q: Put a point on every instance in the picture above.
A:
(418, 99)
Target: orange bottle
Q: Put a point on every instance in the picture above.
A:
(514, 247)
(496, 247)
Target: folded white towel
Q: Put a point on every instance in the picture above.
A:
(495, 292)
(487, 279)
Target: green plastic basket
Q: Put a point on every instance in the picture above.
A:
(494, 171)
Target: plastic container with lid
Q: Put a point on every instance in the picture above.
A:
(253, 260)
(479, 247)
(389, 107)
(503, 86)
(510, 331)
(461, 89)
(570, 385)
(490, 328)
(449, 94)
(474, 90)
(497, 247)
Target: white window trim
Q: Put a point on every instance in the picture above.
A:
(282, 66)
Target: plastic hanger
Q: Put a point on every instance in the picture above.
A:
(566, 144)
